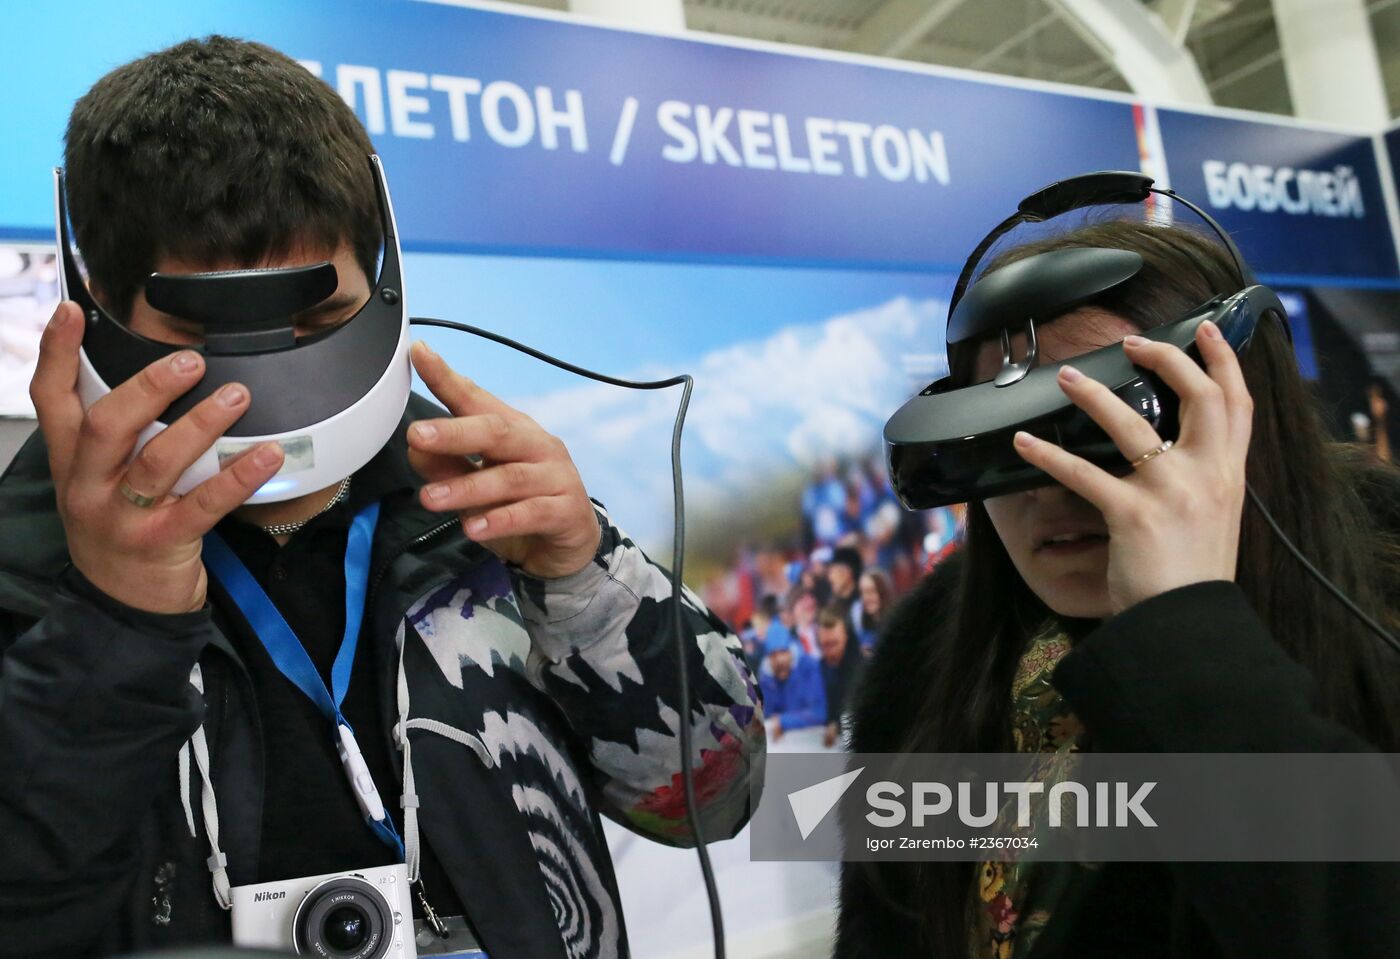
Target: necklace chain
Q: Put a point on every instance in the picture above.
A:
(286, 529)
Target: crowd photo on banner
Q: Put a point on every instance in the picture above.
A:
(810, 605)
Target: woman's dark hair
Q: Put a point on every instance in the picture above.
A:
(214, 150)
(885, 588)
(1308, 483)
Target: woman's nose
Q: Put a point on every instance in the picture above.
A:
(1047, 494)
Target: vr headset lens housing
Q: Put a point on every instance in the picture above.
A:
(331, 400)
(954, 444)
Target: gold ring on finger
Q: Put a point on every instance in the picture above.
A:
(140, 499)
(1155, 451)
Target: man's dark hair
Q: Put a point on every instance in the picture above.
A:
(768, 606)
(214, 150)
(849, 557)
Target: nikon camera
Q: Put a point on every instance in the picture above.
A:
(365, 914)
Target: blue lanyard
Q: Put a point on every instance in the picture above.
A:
(291, 659)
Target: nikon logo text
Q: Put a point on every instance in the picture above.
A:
(267, 896)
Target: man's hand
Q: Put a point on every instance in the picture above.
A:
(831, 734)
(145, 557)
(775, 728)
(526, 502)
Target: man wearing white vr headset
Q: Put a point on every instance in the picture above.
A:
(213, 611)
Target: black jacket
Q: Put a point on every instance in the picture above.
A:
(1191, 670)
(570, 684)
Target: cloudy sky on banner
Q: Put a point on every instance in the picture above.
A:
(761, 407)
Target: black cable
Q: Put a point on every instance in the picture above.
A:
(1317, 574)
(677, 564)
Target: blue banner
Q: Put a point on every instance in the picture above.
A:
(525, 135)
(1300, 202)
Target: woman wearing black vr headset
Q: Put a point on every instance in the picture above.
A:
(1152, 611)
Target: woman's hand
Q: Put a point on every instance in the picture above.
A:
(1175, 520)
(526, 502)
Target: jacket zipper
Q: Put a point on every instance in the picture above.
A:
(384, 566)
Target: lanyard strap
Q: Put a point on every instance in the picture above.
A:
(291, 658)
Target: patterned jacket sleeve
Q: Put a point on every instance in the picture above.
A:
(603, 650)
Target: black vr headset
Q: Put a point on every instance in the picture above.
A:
(953, 445)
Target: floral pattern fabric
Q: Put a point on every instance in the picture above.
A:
(1016, 896)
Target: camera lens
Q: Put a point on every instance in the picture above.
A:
(344, 918)
(344, 929)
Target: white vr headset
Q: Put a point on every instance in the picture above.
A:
(331, 400)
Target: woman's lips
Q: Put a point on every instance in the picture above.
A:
(1073, 545)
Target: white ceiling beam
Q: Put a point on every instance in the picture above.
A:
(663, 15)
(1330, 58)
(897, 25)
(1133, 39)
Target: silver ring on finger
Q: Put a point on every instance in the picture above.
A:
(140, 499)
(1150, 454)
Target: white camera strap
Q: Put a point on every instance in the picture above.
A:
(199, 744)
(409, 801)
(411, 843)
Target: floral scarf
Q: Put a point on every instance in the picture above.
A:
(1015, 897)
